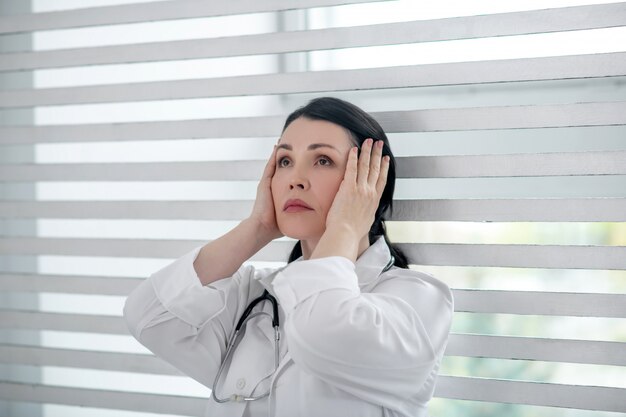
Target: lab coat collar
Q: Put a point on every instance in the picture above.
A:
(372, 262)
(368, 266)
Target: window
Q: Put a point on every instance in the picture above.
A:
(131, 132)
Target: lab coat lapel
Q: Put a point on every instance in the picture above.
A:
(372, 262)
(265, 326)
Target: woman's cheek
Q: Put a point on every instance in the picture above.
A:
(274, 191)
(331, 186)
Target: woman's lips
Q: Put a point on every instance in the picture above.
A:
(295, 209)
(295, 205)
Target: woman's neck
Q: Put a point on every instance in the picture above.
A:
(308, 246)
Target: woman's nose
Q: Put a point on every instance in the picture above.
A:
(298, 181)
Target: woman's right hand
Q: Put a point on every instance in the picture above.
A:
(263, 213)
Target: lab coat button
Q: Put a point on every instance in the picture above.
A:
(241, 383)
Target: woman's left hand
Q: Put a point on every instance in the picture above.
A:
(358, 196)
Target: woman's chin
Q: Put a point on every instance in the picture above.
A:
(299, 233)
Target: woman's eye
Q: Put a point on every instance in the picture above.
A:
(326, 160)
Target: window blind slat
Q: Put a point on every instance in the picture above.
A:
(73, 284)
(450, 254)
(148, 12)
(462, 166)
(510, 210)
(518, 256)
(275, 251)
(96, 132)
(494, 210)
(504, 117)
(73, 358)
(436, 120)
(540, 349)
(513, 165)
(162, 171)
(481, 72)
(188, 210)
(119, 400)
(540, 303)
(86, 323)
(532, 393)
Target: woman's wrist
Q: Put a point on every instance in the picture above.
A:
(257, 231)
(338, 240)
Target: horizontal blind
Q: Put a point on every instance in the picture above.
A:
(525, 182)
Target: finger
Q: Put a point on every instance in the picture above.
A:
(351, 167)
(364, 162)
(375, 162)
(270, 166)
(382, 178)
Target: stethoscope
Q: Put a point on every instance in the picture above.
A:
(234, 340)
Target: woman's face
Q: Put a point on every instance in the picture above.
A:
(311, 160)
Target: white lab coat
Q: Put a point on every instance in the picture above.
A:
(354, 342)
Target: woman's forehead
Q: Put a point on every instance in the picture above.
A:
(303, 132)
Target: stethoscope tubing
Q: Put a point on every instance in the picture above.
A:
(231, 346)
(265, 296)
(234, 339)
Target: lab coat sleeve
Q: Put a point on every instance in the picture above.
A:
(382, 346)
(183, 322)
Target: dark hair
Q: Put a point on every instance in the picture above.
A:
(361, 126)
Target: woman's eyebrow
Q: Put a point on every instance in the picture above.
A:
(311, 147)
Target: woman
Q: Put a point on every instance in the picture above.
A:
(360, 333)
